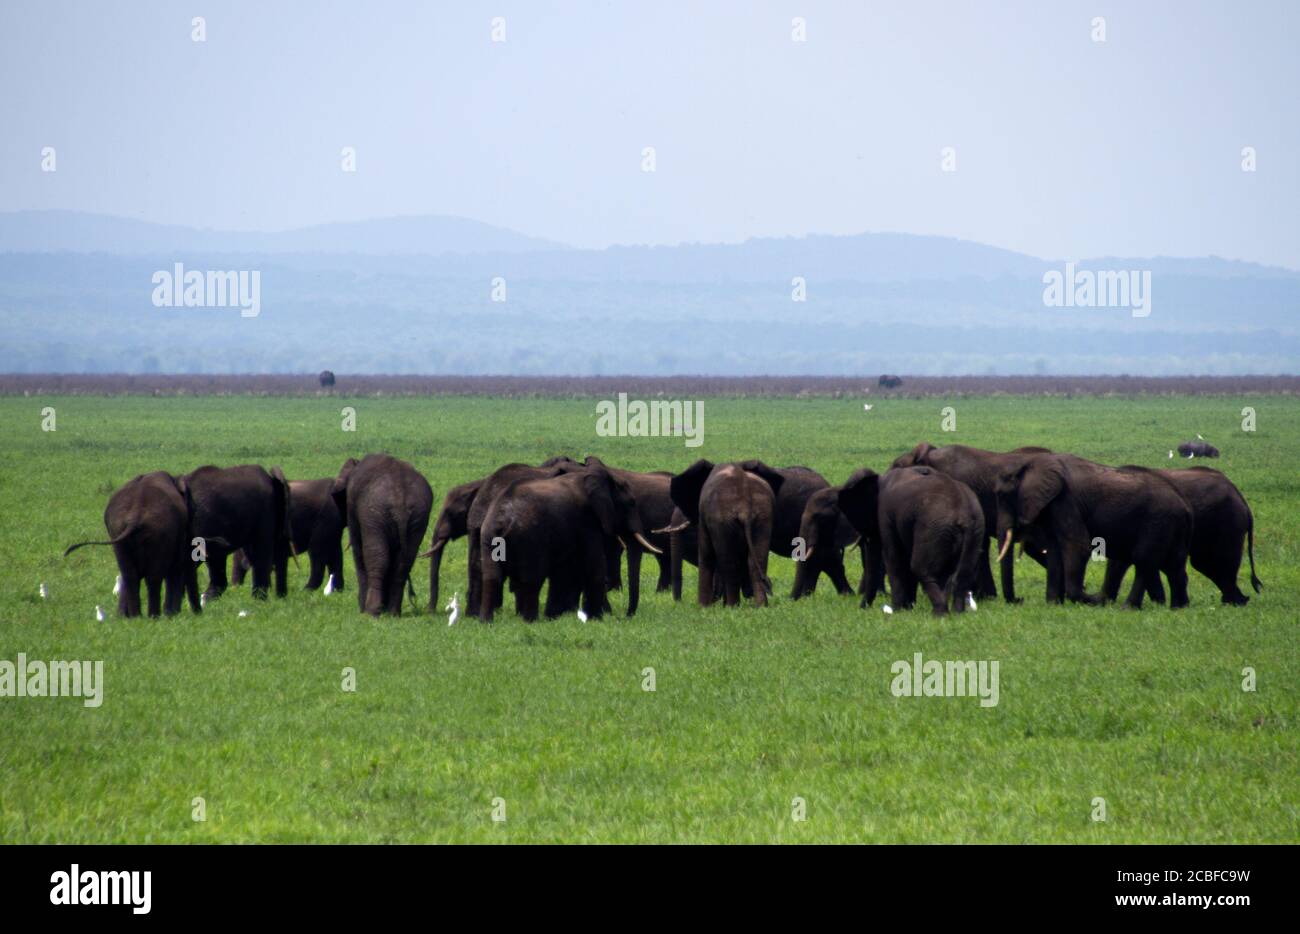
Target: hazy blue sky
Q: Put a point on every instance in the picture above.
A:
(1065, 147)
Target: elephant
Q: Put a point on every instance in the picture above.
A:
(979, 470)
(452, 523)
(654, 506)
(556, 529)
(825, 531)
(148, 522)
(1072, 505)
(387, 504)
(920, 526)
(1221, 519)
(317, 528)
(732, 506)
(490, 487)
(889, 381)
(799, 486)
(242, 507)
(326, 378)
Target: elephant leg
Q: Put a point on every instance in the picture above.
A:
(263, 560)
(835, 571)
(1008, 568)
(1116, 568)
(937, 594)
(192, 584)
(1177, 574)
(174, 585)
(153, 586)
(527, 596)
(395, 587)
(335, 563)
(491, 574)
(985, 588)
(239, 568)
(902, 586)
(707, 560)
(378, 574)
(634, 553)
(316, 555)
(216, 562)
(665, 574)
(594, 578)
(1074, 566)
(675, 561)
(363, 577)
(1142, 573)
(756, 553)
(473, 597)
(1156, 590)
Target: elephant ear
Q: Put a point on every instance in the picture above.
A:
(340, 489)
(282, 501)
(1041, 481)
(857, 500)
(596, 483)
(686, 486)
(771, 475)
(918, 455)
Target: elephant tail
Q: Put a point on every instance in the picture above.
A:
(756, 571)
(1250, 550)
(132, 529)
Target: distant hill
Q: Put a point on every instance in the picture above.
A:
(432, 235)
(415, 295)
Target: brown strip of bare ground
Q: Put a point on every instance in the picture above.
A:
(641, 387)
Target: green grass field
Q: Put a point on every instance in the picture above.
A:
(752, 708)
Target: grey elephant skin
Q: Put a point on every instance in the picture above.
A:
(1068, 503)
(826, 531)
(489, 488)
(387, 504)
(556, 529)
(980, 470)
(242, 507)
(317, 529)
(1221, 523)
(148, 522)
(920, 527)
(732, 507)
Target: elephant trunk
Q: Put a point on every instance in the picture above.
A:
(435, 567)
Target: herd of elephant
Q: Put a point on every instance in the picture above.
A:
(927, 523)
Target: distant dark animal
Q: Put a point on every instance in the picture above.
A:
(148, 523)
(327, 378)
(317, 527)
(1197, 449)
(889, 382)
(387, 504)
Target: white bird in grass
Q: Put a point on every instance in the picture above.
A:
(866, 406)
(203, 600)
(243, 613)
(970, 601)
(117, 585)
(1198, 437)
(329, 586)
(582, 617)
(889, 610)
(99, 613)
(45, 591)
(1171, 455)
(453, 608)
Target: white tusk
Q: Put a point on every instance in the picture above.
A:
(647, 546)
(1005, 546)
